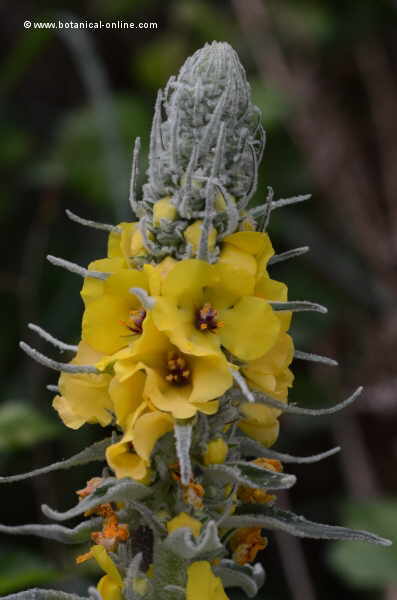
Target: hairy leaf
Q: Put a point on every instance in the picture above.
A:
(37, 594)
(250, 447)
(184, 544)
(112, 490)
(275, 518)
(249, 578)
(250, 475)
(95, 452)
(76, 535)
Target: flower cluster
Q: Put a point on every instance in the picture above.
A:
(168, 340)
(185, 354)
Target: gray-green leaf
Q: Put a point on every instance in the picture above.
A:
(249, 578)
(208, 545)
(76, 535)
(95, 452)
(250, 475)
(112, 490)
(275, 518)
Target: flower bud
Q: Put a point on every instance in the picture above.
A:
(136, 243)
(139, 585)
(184, 520)
(216, 452)
(192, 235)
(163, 209)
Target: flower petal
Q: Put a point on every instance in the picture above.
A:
(92, 287)
(267, 435)
(187, 279)
(178, 322)
(108, 589)
(107, 565)
(127, 395)
(275, 291)
(270, 372)
(210, 378)
(103, 321)
(238, 259)
(250, 328)
(124, 462)
(148, 429)
(252, 242)
(203, 584)
(184, 520)
(169, 398)
(84, 396)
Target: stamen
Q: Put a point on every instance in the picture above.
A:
(135, 321)
(207, 319)
(178, 371)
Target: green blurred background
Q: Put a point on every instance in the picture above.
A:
(324, 74)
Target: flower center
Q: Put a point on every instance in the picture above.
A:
(135, 321)
(178, 369)
(207, 319)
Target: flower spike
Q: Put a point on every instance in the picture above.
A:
(193, 379)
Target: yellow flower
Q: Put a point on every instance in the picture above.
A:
(163, 209)
(111, 584)
(115, 317)
(130, 457)
(270, 373)
(247, 250)
(216, 452)
(204, 307)
(274, 291)
(260, 423)
(140, 585)
(93, 287)
(126, 245)
(176, 382)
(202, 584)
(84, 396)
(185, 520)
(248, 223)
(192, 235)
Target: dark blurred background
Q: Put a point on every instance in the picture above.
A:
(324, 74)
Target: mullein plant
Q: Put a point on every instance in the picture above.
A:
(185, 355)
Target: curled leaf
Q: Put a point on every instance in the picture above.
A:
(95, 452)
(275, 518)
(76, 535)
(112, 490)
(249, 475)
